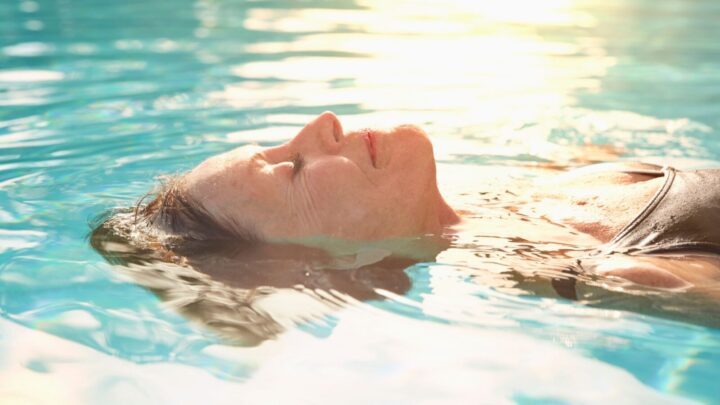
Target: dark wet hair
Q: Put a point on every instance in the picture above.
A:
(172, 222)
(173, 211)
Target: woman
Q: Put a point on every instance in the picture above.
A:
(651, 226)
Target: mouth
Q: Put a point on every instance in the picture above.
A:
(371, 143)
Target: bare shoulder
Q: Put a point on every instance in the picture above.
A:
(598, 200)
(607, 174)
(602, 179)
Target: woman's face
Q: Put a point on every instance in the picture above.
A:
(362, 185)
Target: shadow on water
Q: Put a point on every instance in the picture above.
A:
(249, 293)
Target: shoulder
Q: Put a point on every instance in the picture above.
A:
(603, 174)
(596, 200)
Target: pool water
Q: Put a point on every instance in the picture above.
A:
(98, 98)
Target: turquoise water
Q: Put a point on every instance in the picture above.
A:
(98, 98)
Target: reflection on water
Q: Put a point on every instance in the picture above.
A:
(97, 98)
(248, 294)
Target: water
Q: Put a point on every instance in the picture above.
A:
(98, 98)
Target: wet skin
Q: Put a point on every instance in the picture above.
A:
(363, 185)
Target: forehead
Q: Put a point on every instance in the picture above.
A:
(238, 160)
(230, 177)
(245, 153)
(244, 158)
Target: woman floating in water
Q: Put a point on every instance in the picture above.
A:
(653, 226)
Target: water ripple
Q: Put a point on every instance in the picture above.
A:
(98, 98)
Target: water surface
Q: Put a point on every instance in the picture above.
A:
(98, 98)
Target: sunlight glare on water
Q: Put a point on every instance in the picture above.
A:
(398, 56)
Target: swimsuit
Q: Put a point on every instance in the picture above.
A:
(682, 217)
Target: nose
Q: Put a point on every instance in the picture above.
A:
(324, 133)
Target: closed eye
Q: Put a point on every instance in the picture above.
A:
(298, 162)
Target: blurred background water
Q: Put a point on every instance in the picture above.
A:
(97, 98)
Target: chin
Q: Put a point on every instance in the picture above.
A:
(414, 143)
(412, 131)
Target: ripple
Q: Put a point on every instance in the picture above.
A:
(99, 97)
(29, 76)
(20, 239)
(27, 49)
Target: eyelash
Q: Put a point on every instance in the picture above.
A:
(298, 163)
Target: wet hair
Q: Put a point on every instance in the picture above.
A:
(171, 223)
(173, 211)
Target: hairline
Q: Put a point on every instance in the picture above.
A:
(183, 215)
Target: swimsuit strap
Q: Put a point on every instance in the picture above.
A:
(669, 173)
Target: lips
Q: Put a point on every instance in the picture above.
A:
(371, 143)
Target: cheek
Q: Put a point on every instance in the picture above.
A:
(410, 183)
(337, 180)
(344, 196)
(352, 206)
